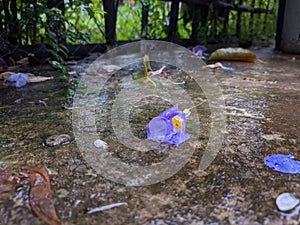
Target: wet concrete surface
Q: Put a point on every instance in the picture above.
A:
(262, 110)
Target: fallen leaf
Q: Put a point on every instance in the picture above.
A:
(156, 72)
(109, 68)
(8, 181)
(212, 66)
(5, 75)
(233, 54)
(167, 75)
(23, 61)
(35, 79)
(41, 197)
(217, 65)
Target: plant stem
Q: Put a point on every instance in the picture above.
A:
(194, 106)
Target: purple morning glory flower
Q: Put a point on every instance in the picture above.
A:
(18, 79)
(282, 163)
(168, 127)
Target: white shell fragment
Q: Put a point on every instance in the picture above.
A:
(100, 144)
(106, 207)
(286, 202)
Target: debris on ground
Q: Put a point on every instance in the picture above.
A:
(168, 127)
(233, 54)
(21, 79)
(9, 180)
(41, 197)
(286, 202)
(109, 68)
(283, 163)
(199, 50)
(156, 72)
(216, 66)
(17, 79)
(55, 140)
(100, 144)
(106, 207)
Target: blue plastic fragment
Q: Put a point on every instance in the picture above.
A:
(18, 79)
(168, 127)
(283, 163)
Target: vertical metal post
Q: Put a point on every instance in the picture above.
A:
(173, 20)
(251, 22)
(238, 21)
(280, 17)
(145, 13)
(111, 8)
(226, 21)
(195, 23)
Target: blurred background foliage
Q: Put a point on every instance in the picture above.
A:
(80, 22)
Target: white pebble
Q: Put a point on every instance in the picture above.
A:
(100, 144)
(286, 202)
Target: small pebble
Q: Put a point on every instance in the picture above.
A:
(62, 193)
(100, 144)
(286, 202)
(57, 140)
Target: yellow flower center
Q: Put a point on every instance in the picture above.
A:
(177, 122)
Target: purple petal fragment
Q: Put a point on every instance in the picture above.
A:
(282, 163)
(18, 79)
(168, 127)
(226, 68)
(200, 50)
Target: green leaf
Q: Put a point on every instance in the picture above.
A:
(55, 55)
(58, 65)
(62, 77)
(69, 92)
(75, 83)
(63, 49)
(139, 75)
(147, 65)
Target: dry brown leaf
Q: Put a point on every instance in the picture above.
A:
(8, 180)
(156, 72)
(41, 197)
(5, 75)
(212, 66)
(233, 54)
(35, 79)
(109, 68)
(23, 61)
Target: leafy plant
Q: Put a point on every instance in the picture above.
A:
(58, 29)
